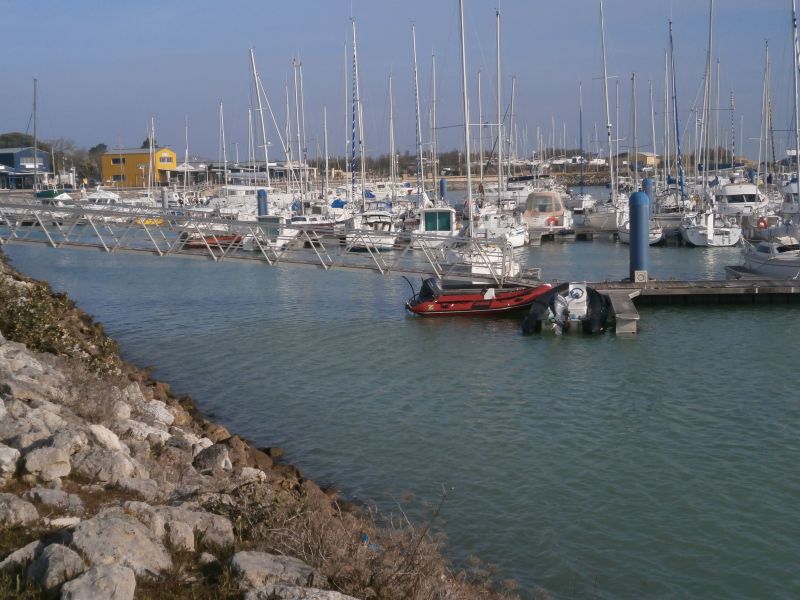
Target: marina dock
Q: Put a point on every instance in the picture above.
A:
(627, 296)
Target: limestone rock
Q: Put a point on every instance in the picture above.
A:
(213, 529)
(55, 565)
(9, 458)
(21, 557)
(109, 582)
(119, 538)
(206, 558)
(180, 535)
(146, 488)
(216, 432)
(120, 411)
(213, 457)
(16, 511)
(158, 411)
(107, 438)
(106, 466)
(243, 454)
(54, 498)
(47, 464)
(291, 592)
(142, 431)
(259, 569)
(71, 439)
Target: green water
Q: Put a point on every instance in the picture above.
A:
(659, 466)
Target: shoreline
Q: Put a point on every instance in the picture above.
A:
(91, 446)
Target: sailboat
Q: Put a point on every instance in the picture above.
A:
(780, 256)
(438, 297)
(710, 228)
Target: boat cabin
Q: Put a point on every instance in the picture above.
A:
(543, 208)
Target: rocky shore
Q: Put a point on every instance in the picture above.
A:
(113, 487)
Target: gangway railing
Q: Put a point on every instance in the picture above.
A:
(204, 233)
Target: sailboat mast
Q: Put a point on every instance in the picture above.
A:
(704, 135)
(466, 119)
(609, 140)
(480, 131)
(512, 148)
(653, 132)
(359, 106)
(762, 134)
(223, 146)
(297, 131)
(796, 108)
(325, 141)
(580, 127)
(499, 110)
(635, 138)
(185, 152)
(304, 148)
(392, 169)
(260, 115)
(678, 152)
(434, 159)
(666, 119)
(35, 142)
(420, 168)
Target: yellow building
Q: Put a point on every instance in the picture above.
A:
(133, 167)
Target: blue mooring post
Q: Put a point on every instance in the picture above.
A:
(263, 207)
(639, 210)
(442, 188)
(649, 188)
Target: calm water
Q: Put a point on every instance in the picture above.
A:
(664, 465)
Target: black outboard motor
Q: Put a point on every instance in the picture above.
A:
(539, 309)
(597, 316)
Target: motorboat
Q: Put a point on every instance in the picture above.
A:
(440, 297)
(544, 209)
(502, 227)
(655, 234)
(377, 230)
(567, 307)
(710, 230)
(778, 258)
(437, 224)
(736, 199)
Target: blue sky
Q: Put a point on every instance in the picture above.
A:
(105, 67)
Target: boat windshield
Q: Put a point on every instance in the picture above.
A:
(438, 221)
(740, 198)
(542, 204)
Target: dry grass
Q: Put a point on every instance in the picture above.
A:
(362, 553)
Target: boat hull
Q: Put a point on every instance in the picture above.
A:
(474, 300)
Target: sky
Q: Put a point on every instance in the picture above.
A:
(105, 68)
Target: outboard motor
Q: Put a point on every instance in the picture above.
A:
(560, 310)
(598, 312)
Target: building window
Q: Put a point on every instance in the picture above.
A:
(165, 159)
(119, 178)
(117, 161)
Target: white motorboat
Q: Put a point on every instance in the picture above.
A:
(502, 227)
(655, 235)
(779, 258)
(436, 225)
(737, 199)
(709, 230)
(544, 209)
(377, 230)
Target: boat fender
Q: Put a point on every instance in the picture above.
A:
(762, 223)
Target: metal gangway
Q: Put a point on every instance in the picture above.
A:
(204, 233)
